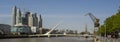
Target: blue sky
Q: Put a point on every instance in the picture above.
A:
(71, 12)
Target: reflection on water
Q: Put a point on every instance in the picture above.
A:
(52, 39)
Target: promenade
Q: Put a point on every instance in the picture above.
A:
(104, 39)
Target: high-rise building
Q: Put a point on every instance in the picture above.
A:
(25, 18)
(14, 12)
(35, 20)
(40, 21)
(18, 17)
(40, 24)
(30, 20)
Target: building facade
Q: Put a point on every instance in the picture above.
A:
(40, 24)
(20, 30)
(14, 12)
(22, 21)
(18, 17)
(25, 18)
(30, 20)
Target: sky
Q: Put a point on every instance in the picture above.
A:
(70, 12)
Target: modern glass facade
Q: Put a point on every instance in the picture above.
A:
(21, 29)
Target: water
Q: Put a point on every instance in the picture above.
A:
(52, 39)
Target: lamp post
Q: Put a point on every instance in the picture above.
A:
(105, 33)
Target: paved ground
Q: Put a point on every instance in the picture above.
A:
(103, 39)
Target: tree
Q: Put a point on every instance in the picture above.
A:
(112, 24)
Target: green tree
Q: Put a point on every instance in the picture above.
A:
(111, 24)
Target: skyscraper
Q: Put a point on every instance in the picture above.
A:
(14, 12)
(30, 20)
(35, 20)
(40, 24)
(18, 17)
(25, 18)
(40, 21)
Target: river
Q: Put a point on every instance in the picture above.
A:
(52, 39)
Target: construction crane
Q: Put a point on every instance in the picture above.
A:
(94, 19)
(96, 24)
